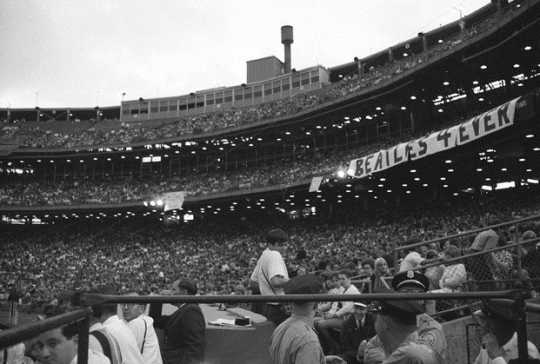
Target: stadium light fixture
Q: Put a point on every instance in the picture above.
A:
(408, 192)
(533, 181)
(370, 191)
(440, 110)
(413, 171)
(481, 99)
(483, 67)
(67, 160)
(403, 108)
(443, 178)
(527, 48)
(451, 170)
(378, 108)
(341, 173)
(448, 161)
(380, 185)
(417, 179)
(522, 159)
(403, 185)
(389, 191)
(529, 136)
(536, 149)
(446, 83)
(528, 170)
(475, 83)
(375, 197)
(413, 97)
(516, 65)
(424, 184)
(478, 169)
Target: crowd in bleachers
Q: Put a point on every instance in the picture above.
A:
(220, 256)
(53, 135)
(117, 190)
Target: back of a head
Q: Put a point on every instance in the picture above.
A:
(304, 284)
(105, 309)
(451, 251)
(276, 237)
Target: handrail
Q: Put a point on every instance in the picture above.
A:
(95, 299)
(27, 331)
(470, 232)
(483, 252)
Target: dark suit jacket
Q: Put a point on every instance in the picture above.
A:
(184, 334)
(352, 335)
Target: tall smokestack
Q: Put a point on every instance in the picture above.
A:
(287, 40)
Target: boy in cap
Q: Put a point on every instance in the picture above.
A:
(294, 341)
(271, 274)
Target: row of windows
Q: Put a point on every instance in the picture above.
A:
(238, 94)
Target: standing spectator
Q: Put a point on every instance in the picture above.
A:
(480, 265)
(185, 339)
(142, 327)
(294, 341)
(271, 274)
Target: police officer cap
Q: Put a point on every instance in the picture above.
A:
(411, 279)
(305, 284)
(277, 236)
(404, 311)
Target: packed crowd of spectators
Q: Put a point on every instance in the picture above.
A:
(220, 255)
(117, 190)
(55, 135)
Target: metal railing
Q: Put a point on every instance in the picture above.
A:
(28, 331)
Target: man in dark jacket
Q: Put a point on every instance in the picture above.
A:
(356, 329)
(184, 330)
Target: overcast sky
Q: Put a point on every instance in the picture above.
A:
(87, 52)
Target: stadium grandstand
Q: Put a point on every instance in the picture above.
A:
(423, 158)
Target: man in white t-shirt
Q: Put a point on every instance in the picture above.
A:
(142, 327)
(335, 321)
(271, 274)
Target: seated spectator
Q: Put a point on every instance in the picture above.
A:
(454, 275)
(378, 281)
(499, 341)
(357, 329)
(335, 321)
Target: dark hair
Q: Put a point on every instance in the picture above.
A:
(369, 262)
(70, 330)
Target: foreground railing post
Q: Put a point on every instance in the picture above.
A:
(521, 327)
(82, 349)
